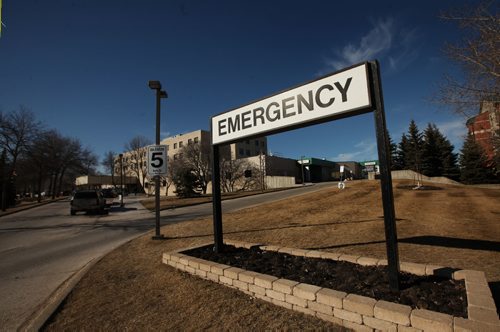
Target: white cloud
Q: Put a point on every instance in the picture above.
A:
(382, 42)
(364, 150)
(406, 51)
(375, 42)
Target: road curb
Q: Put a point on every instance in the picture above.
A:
(229, 198)
(45, 310)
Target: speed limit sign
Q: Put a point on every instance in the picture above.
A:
(157, 160)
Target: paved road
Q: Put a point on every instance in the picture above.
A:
(42, 247)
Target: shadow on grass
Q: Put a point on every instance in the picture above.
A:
(437, 241)
(289, 226)
(450, 242)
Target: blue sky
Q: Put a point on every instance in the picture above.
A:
(83, 66)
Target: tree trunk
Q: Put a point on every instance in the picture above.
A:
(39, 198)
(54, 189)
(51, 183)
(59, 188)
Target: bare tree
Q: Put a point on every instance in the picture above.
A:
(239, 174)
(55, 156)
(169, 178)
(196, 156)
(41, 160)
(54, 150)
(136, 157)
(18, 129)
(108, 162)
(478, 57)
(75, 160)
(89, 161)
(38, 155)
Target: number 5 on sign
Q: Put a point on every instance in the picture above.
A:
(157, 160)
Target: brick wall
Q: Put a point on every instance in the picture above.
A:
(357, 312)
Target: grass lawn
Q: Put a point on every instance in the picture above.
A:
(130, 288)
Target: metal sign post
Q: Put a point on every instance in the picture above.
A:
(349, 92)
(391, 239)
(216, 200)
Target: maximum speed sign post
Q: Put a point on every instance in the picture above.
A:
(157, 166)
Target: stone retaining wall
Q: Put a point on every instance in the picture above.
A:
(357, 312)
(412, 175)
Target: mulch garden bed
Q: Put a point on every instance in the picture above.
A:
(420, 292)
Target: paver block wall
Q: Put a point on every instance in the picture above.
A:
(353, 311)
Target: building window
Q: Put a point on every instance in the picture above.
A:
(248, 141)
(190, 141)
(175, 145)
(242, 152)
(180, 144)
(175, 157)
(256, 143)
(196, 139)
(248, 153)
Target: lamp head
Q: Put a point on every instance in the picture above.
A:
(155, 85)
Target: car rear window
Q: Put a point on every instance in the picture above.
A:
(86, 194)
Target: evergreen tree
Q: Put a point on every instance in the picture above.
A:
(401, 152)
(438, 158)
(413, 154)
(473, 163)
(450, 160)
(185, 181)
(432, 165)
(393, 149)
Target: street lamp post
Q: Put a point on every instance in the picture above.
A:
(121, 179)
(302, 167)
(156, 85)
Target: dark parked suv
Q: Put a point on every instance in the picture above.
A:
(88, 201)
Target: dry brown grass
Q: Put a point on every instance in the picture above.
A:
(131, 289)
(176, 202)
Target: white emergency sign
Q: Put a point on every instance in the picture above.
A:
(339, 93)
